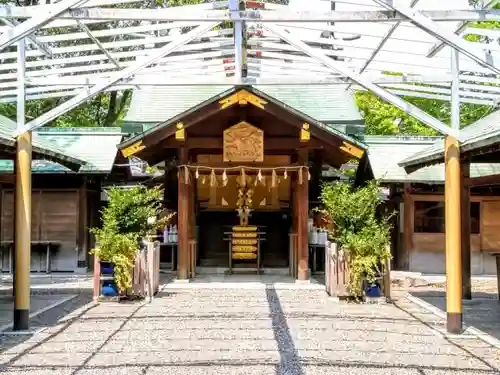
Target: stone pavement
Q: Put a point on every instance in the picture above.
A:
(236, 331)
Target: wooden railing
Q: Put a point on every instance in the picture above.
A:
(337, 274)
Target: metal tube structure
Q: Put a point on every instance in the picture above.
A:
(22, 235)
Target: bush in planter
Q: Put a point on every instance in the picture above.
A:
(359, 229)
(124, 224)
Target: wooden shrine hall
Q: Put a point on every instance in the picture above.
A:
(242, 172)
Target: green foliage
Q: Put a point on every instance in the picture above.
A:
(358, 229)
(104, 109)
(125, 223)
(382, 118)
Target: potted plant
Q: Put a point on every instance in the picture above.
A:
(361, 231)
(126, 221)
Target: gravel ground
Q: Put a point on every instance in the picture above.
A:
(295, 332)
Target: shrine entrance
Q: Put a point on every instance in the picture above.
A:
(243, 173)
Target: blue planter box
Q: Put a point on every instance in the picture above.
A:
(107, 268)
(373, 290)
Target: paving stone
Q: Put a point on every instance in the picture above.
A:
(234, 331)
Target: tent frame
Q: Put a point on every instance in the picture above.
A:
(229, 50)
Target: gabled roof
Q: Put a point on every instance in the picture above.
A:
(173, 120)
(482, 133)
(42, 148)
(386, 153)
(96, 147)
(325, 103)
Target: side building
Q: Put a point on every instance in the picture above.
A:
(66, 197)
(418, 199)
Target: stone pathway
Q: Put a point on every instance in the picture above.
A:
(235, 331)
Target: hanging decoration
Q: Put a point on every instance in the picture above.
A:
(213, 178)
(274, 178)
(186, 175)
(244, 179)
(224, 178)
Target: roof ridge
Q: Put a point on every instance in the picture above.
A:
(399, 139)
(115, 130)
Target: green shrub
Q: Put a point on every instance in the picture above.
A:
(358, 229)
(124, 224)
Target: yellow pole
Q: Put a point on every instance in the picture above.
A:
(453, 236)
(22, 229)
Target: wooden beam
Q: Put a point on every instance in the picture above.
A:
(454, 319)
(493, 179)
(277, 143)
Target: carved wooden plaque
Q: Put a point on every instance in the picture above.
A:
(243, 142)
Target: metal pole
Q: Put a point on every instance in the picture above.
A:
(238, 41)
(22, 237)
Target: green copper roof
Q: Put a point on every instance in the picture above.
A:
(325, 103)
(482, 133)
(329, 127)
(385, 154)
(42, 148)
(95, 146)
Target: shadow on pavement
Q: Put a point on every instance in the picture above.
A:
(482, 312)
(49, 318)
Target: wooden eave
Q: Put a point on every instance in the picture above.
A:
(322, 136)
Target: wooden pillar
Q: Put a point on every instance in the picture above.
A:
(302, 218)
(22, 235)
(82, 229)
(453, 236)
(182, 219)
(192, 226)
(408, 222)
(465, 230)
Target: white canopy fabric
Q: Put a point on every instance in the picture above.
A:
(76, 48)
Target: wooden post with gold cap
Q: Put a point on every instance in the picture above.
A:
(453, 236)
(22, 240)
(22, 235)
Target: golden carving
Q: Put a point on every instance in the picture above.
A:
(239, 228)
(133, 149)
(180, 133)
(243, 142)
(244, 235)
(305, 133)
(239, 241)
(242, 97)
(352, 150)
(244, 256)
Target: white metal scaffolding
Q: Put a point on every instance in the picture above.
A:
(77, 48)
